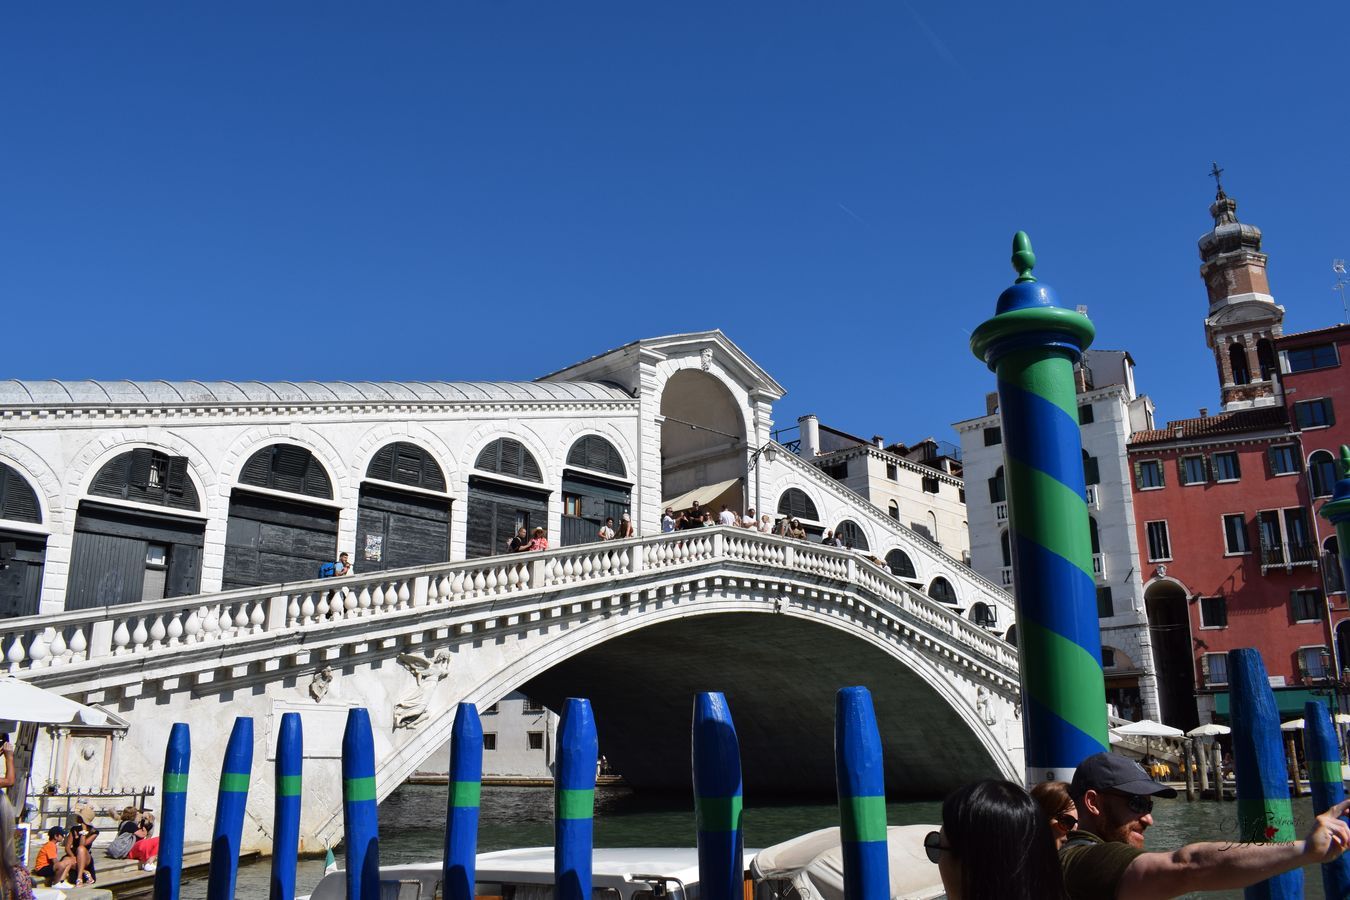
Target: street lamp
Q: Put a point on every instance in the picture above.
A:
(1333, 684)
(769, 451)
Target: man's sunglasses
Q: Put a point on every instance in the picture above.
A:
(932, 845)
(1139, 804)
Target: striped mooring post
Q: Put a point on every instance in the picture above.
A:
(717, 799)
(461, 813)
(286, 812)
(1323, 755)
(1031, 344)
(173, 812)
(1265, 812)
(361, 827)
(860, 775)
(578, 748)
(231, 800)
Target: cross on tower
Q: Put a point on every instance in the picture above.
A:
(1214, 173)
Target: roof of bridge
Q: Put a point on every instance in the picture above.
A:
(102, 393)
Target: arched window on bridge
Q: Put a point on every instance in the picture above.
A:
(288, 532)
(1011, 635)
(21, 551)
(901, 565)
(403, 510)
(795, 504)
(942, 591)
(502, 498)
(984, 615)
(851, 534)
(123, 554)
(595, 487)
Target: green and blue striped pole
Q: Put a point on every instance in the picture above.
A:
(1265, 814)
(173, 812)
(361, 827)
(286, 813)
(1031, 344)
(574, 800)
(231, 800)
(1323, 755)
(860, 775)
(461, 815)
(717, 799)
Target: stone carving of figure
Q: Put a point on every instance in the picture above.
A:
(984, 706)
(411, 709)
(705, 358)
(318, 688)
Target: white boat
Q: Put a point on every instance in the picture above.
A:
(809, 867)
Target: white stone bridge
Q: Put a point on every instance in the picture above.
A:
(637, 626)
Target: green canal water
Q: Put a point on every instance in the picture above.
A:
(412, 827)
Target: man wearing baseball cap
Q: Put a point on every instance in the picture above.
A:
(1105, 857)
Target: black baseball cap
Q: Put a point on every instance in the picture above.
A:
(57, 832)
(1111, 772)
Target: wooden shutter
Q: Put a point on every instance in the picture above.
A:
(18, 501)
(141, 461)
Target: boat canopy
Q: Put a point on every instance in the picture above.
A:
(811, 867)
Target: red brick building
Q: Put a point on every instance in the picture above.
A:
(1225, 504)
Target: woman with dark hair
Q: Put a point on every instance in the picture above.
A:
(1053, 796)
(15, 882)
(995, 844)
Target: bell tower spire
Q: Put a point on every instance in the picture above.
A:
(1243, 318)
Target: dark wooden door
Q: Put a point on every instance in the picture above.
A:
(269, 540)
(21, 560)
(495, 511)
(600, 499)
(396, 529)
(108, 556)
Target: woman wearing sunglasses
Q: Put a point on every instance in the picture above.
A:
(1053, 796)
(995, 844)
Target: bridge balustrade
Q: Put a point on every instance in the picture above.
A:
(196, 625)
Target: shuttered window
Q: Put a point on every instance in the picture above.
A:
(942, 591)
(852, 535)
(147, 476)
(507, 456)
(405, 463)
(900, 564)
(795, 504)
(18, 501)
(286, 467)
(595, 453)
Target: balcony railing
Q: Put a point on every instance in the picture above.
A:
(1289, 555)
(1099, 565)
(1001, 511)
(1092, 497)
(1006, 575)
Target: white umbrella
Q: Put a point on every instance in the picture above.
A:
(23, 702)
(1342, 719)
(1148, 728)
(1210, 729)
(1295, 725)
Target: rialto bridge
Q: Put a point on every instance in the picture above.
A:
(165, 537)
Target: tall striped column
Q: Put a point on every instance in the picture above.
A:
(860, 775)
(461, 814)
(231, 800)
(717, 799)
(1031, 344)
(361, 826)
(1265, 813)
(574, 800)
(1323, 755)
(173, 812)
(286, 812)
(1337, 512)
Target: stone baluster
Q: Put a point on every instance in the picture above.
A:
(241, 617)
(307, 609)
(257, 617)
(363, 601)
(292, 610)
(192, 628)
(79, 645)
(225, 623)
(57, 648)
(174, 630)
(121, 637)
(210, 623)
(350, 603)
(16, 655)
(140, 635)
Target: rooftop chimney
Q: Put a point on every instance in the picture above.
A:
(809, 427)
(878, 441)
(1204, 412)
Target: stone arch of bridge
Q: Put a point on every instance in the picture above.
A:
(641, 673)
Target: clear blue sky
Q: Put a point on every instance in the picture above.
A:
(493, 190)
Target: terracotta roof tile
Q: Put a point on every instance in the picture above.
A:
(1266, 418)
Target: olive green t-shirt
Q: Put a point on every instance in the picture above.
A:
(1093, 867)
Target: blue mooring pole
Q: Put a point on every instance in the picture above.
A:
(860, 773)
(173, 812)
(231, 800)
(574, 800)
(1265, 814)
(360, 814)
(286, 813)
(717, 800)
(1323, 755)
(461, 814)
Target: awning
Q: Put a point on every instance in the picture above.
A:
(1288, 701)
(23, 702)
(706, 495)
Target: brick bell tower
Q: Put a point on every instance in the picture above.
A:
(1243, 319)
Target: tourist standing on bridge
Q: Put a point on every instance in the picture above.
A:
(749, 520)
(520, 542)
(668, 521)
(625, 528)
(1105, 857)
(727, 517)
(606, 532)
(995, 844)
(538, 540)
(765, 524)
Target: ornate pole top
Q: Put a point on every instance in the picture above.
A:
(1029, 315)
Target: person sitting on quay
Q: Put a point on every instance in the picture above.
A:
(727, 517)
(625, 528)
(80, 844)
(606, 532)
(146, 849)
(50, 865)
(1105, 856)
(520, 541)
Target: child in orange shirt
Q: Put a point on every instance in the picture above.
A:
(47, 865)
